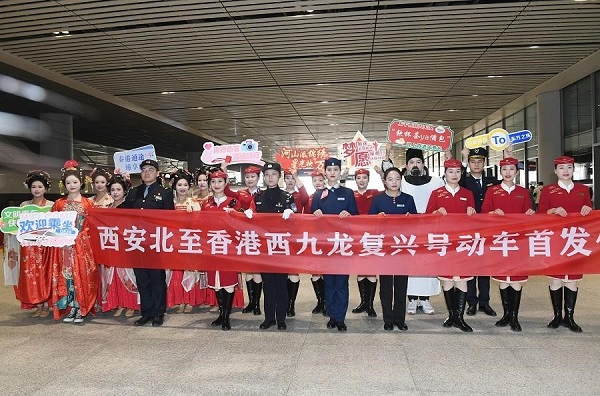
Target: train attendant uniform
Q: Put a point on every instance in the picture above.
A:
(508, 199)
(367, 284)
(317, 280)
(335, 199)
(454, 199)
(274, 200)
(558, 198)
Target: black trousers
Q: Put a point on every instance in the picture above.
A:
(483, 282)
(392, 292)
(153, 291)
(275, 296)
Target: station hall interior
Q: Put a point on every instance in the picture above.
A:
(85, 79)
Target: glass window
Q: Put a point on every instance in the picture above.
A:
(577, 105)
(597, 106)
(515, 122)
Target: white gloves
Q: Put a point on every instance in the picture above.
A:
(287, 213)
(248, 213)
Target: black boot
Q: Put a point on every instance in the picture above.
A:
(371, 289)
(505, 297)
(449, 297)
(257, 293)
(515, 302)
(250, 289)
(292, 288)
(556, 296)
(227, 304)
(461, 301)
(219, 294)
(570, 300)
(362, 290)
(319, 288)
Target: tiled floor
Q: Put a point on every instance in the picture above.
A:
(187, 356)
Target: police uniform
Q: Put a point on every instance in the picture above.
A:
(275, 285)
(334, 200)
(150, 282)
(478, 187)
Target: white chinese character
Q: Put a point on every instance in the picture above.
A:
(539, 243)
(190, 241)
(575, 237)
(473, 244)
(438, 242)
(219, 241)
(341, 245)
(161, 237)
(134, 237)
(505, 243)
(405, 243)
(277, 244)
(372, 244)
(109, 239)
(248, 241)
(305, 240)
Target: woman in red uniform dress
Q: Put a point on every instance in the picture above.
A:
(183, 290)
(562, 198)
(508, 197)
(223, 282)
(74, 271)
(453, 199)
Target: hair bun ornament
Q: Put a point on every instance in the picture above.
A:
(71, 164)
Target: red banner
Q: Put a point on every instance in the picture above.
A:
(456, 244)
(419, 135)
(295, 158)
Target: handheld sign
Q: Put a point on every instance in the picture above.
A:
(498, 139)
(11, 215)
(56, 229)
(296, 158)
(129, 161)
(360, 153)
(419, 135)
(246, 152)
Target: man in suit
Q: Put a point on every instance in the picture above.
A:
(478, 183)
(150, 282)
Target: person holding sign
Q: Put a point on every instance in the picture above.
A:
(561, 199)
(245, 196)
(74, 271)
(478, 183)
(392, 291)
(417, 183)
(223, 282)
(151, 283)
(318, 182)
(276, 287)
(33, 286)
(508, 197)
(367, 284)
(295, 187)
(453, 199)
(338, 200)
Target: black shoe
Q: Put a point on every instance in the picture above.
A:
(266, 324)
(257, 293)
(486, 309)
(225, 325)
(472, 310)
(341, 326)
(388, 326)
(158, 320)
(331, 324)
(143, 320)
(362, 291)
(281, 325)
(401, 326)
(250, 290)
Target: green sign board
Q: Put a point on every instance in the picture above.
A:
(11, 214)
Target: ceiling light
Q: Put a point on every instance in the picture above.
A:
(534, 46)
(474, 95)
(334, 124)
(494, 76)
(310, 11)
(199, 108)
(452, 110)
(329, 115)
(440, 121)
(324, 101)
(321, 84)
(65, 32)
(167, 92)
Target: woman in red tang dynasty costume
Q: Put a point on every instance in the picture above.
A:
(508, 197)
(74, 271)
(563, 198)
(453, 199)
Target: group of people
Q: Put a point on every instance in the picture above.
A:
(69, 280)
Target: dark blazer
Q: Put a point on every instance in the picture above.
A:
(467, 181)
(158, 197)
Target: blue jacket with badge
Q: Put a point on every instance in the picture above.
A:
(158, 197)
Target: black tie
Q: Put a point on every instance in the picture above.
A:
(146, 191)
(479, 184)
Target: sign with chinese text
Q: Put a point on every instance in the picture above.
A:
(498, 139)
(360, 153)
(48, 229)
(11, 215)
(419, 135)
(296, 158)
(425, 245)
(246, 152)
(129, 161)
